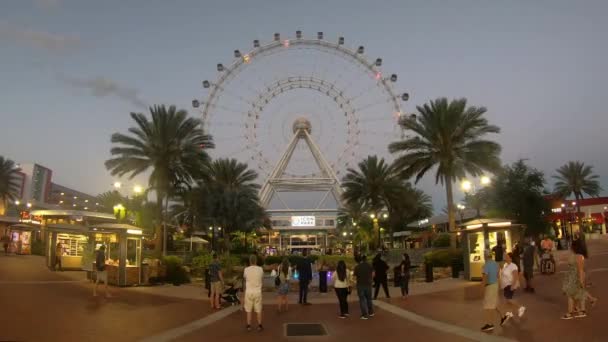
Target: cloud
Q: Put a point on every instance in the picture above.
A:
(103, 87)
(39, 39)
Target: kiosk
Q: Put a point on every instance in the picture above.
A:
(123, 252)
(484, 234)
(69, 243)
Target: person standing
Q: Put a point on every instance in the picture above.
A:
(254, 277)
(518, 250)
(58, 253)
(364, 273)
(304, 267)
(499, 251)
(101, 274)
(216, 281)
(490, 292)
(341, 286)
(284, 275)
(380, 276)
(573, 284)
(509, 283)
(529, 258)
(5, 241)
(404, 270)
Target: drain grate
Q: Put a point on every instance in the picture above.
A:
(305, 329)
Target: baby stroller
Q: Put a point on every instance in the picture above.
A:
(230, 296)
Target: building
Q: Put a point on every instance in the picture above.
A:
(567, 220)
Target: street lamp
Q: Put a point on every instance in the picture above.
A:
(117, 185)
(137, 189)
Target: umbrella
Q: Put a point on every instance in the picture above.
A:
(195, 239)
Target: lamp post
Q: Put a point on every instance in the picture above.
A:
(469, 188)
(461, 208)
(213, 229)
(375, 218)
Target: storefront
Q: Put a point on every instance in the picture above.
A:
(20, 238)
(123, 252)
(485, 234)
(69, 243)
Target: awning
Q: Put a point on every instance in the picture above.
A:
(116, 227)
(72, 228)
(23, 226)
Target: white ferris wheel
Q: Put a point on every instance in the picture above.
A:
(344, 101)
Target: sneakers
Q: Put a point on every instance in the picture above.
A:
(487, 327)
(364, 318)
(248, 327)
(521, 311)
(260, 327)
(372, 314)
(568, 316)
(580, 314)
(342, 316)
(505, 318)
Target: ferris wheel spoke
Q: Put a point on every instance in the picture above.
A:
(370, 105)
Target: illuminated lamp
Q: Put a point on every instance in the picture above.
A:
(286, 43)
(246, 58)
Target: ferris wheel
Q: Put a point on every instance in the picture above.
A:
(350, 103)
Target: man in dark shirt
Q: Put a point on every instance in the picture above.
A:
(528, 261)
(304, 268)
(499, 251)
(364, 273)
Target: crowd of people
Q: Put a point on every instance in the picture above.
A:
(502, 273)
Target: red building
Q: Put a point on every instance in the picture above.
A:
(567, 219)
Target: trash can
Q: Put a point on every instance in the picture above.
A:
(455, 269)
(323, 281)
(145, 273)
(397, 276)
(428, 271)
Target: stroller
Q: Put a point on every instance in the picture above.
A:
(230, 296)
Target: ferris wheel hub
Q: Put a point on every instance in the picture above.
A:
(302, 124)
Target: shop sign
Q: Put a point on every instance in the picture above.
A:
(303, 221)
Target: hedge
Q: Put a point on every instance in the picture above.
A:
(444, 257)
(176, 273)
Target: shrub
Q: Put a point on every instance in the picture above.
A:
(176, 273)
(442, 240)
(273, 260)
(38, 247)
(444, 257)
(200, 263)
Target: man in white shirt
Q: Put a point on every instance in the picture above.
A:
(254, 277)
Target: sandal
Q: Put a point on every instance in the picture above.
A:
(568, 316)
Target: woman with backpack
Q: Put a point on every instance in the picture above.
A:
(282, 282)
(341, 286)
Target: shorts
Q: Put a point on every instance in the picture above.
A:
(216, 288)
(253, 302)
(490, 297)
(283, 289)
(508, 292)
(101, 276)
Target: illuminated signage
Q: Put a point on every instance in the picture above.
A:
(303, 221)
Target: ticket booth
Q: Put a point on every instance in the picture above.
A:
(123, 252)
(485, 234)
(69, 244)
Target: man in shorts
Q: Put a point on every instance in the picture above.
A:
(101, 274)
(216, 281)
(490, 291)
(254, 276)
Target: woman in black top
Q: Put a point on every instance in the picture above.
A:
(380, 277)
(404, 269)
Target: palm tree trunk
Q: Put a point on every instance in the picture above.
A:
(159, 225)
(451, 216)
(578, 197)
(165, 223)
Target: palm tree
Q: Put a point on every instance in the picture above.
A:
(578, 179)
(9, 183)
(228, 197)
(374, 186)
(449, 136)
(171, 146)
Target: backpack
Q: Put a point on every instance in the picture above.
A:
(277, 281)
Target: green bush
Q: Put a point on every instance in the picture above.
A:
(444, 257)
(38, 247)
(176, 273)
(273, 259)
(442, 240)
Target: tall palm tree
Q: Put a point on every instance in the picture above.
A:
(228, 197)
(9, 184)
(171, 145)
(374, 185)
(577, 178)
(450, 137)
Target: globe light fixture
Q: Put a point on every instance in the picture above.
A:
(466, 185)
(17, 202)
(385, 215)
(485, 180)
(117, 185)
(138, 189)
